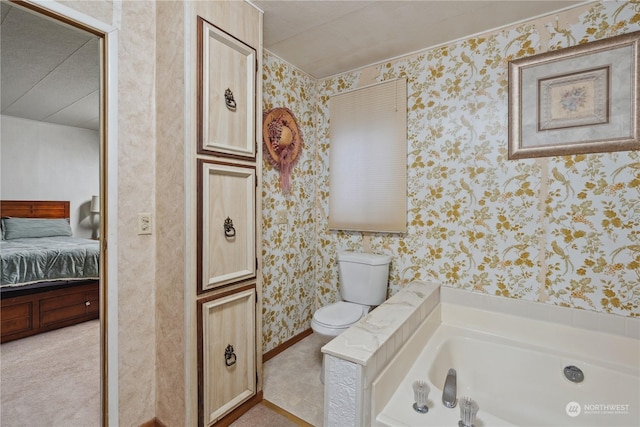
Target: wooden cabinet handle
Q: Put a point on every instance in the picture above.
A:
(229, 101)
(229, 231)
(229, 356)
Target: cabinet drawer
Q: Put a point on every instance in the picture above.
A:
(61, 302)
(17, 311)
(70, 306)
(17, 318)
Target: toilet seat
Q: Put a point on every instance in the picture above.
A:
(341, 314)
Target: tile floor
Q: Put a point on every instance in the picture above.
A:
(265, 414)
(292, 380)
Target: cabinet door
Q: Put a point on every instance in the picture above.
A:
(226, 85)
(228, 353)
(227, 219)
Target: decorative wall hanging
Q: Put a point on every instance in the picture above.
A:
(283, 141)
(582, 99)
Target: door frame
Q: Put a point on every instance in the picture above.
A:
(108, 35)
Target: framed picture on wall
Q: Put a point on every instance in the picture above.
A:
(226, 94)
(582, 99)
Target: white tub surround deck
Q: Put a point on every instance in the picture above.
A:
(509, 356)
(356, 357)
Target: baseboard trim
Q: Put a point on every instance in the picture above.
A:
(155, 422)
(288, 415)
(224, 421)
(239, 411)
(285, 345)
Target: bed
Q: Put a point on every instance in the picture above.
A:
(50, 279)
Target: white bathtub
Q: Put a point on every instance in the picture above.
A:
(512, 366)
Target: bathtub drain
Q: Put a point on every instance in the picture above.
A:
(573, 374)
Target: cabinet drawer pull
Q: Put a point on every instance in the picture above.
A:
(229, 101)
(229, 356)
(87, 303)
(229, 231)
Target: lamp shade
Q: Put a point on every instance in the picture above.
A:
(95, 204)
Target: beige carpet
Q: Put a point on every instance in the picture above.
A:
(52, 379)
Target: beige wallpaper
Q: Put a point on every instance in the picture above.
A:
(558, 230)
(170, 336)
(136, 188)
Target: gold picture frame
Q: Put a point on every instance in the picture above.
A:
(582, 99)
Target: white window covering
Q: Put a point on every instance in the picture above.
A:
(368, 158)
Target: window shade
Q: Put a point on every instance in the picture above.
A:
(368, 158)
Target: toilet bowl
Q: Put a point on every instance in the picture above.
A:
(363, 285)
(331, 320)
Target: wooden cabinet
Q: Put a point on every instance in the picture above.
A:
(227, 238)
(227, 86)
(228, 160)
(228, 352)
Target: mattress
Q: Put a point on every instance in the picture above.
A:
(44, 259)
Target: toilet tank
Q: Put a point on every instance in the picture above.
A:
(363, 277)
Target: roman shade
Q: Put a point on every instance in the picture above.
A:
(368, 158)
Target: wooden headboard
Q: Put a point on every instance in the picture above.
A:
(34, 208)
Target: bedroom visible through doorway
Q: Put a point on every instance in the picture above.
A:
(52, 157)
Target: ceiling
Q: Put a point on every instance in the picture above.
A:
(50, 71)
(324, 38)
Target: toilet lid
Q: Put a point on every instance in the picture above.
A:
(340, 314)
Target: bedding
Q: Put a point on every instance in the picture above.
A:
(18, 228)
(32, 260)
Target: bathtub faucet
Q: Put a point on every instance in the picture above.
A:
(449, 391)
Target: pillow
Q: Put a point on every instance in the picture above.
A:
(18, 228)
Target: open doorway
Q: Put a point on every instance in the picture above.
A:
(53, 150)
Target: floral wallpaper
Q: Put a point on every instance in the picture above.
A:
(557, 230)
(289, 250)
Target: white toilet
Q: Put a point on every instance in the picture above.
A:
(363, 285)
